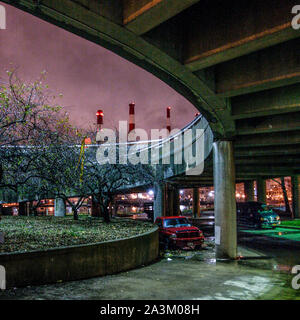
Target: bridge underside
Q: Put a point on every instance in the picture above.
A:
(237, 61)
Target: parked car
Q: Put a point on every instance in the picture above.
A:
(177, 232)
(256, 215)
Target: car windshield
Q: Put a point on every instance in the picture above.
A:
(176, 222)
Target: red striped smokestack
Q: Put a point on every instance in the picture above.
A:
(169, 119)
(99, 115)
(131, 117)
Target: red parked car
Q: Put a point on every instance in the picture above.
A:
(177, 232)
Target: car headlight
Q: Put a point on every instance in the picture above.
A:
(173, 236)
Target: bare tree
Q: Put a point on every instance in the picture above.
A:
(28, 118)
(34, 134)
(27, 114)
(62, 173)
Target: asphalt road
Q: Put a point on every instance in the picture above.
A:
(282, 244)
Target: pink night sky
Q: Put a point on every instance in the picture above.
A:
(89, 76)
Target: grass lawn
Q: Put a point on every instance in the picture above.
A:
(292, 223)
(32, 233)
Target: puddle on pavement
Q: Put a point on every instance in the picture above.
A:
(206, 253)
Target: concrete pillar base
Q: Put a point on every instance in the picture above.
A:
(159, 201)
(261, 190)
(176, 202)
(172, 201)
(96, 209)
(23, 209)
(196, 203)
(224, 203)
(59, 207)
(249, 190)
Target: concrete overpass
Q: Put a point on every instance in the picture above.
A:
(236, 61)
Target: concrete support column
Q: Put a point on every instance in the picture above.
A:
(296, 196)
(165, 199)
(59, 207)
(115, 206)
(112, 206)
(172, 201)
(169, 200)
(96, 209)
(249, 190)
(23, 208)
(159, 200)
(224, 203)
(261, 190)
(196, 203)
(28, 208)
(176, 202)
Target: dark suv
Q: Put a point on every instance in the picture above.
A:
(256, 215)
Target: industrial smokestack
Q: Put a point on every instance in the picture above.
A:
(169, 119)
(131, 117)
(99, 115)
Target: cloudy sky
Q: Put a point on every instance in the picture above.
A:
(89, 76)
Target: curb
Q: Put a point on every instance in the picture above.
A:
(77, 262)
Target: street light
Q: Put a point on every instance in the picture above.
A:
(151, 192)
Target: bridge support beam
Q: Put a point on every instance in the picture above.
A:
(59, 207)
(225, 205)
(296, 196)
(261, 190)
(249, 190)
(196, 203)
(159, 200)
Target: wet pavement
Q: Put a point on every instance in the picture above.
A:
(191, 275)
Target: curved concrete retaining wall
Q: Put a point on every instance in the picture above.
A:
(79, 262)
